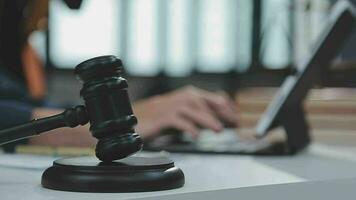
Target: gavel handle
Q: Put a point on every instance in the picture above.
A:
(71, 117)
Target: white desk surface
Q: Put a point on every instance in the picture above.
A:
(20, 175)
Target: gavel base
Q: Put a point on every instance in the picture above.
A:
(131, 174)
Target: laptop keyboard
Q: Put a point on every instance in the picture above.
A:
(208, 141)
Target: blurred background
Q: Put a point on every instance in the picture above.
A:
(214, 44)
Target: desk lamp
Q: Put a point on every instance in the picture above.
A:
(108, 110)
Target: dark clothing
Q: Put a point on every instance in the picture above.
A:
(15, 105)
(13, 113)
(11, 88)
(12, 36)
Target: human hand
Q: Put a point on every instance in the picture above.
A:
(187, 109)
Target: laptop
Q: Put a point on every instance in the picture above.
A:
(285, 110)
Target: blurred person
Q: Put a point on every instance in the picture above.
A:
(22, 88)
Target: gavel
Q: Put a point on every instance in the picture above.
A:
(107, 108)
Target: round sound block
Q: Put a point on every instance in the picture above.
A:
(132, 174)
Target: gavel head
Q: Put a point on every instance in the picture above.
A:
(110, 114)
